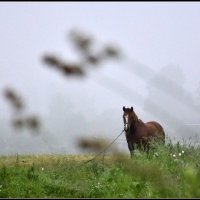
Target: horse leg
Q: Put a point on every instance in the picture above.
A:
(145, 146)
(131, 149)
(147, 150)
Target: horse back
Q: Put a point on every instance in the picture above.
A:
(155, 129)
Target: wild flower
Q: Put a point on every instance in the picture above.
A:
(179, 154)
(98, 185)
(156, 154)
(42, 169)
(174, 155)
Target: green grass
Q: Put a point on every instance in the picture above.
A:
(156, 175)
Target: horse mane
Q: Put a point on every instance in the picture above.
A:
(135, 118)
(135, 121)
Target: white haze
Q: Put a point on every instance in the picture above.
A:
(158, 41)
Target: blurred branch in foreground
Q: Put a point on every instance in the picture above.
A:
(20, 121)
(15, 100)
(83, 43)
(31, 122)
(64, 67)
(92, 144)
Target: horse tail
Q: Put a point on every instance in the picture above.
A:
(161, 131)
(163, 134)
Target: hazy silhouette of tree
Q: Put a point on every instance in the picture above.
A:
(180, 114)
(198, 97)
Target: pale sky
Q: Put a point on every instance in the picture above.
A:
(155, 34)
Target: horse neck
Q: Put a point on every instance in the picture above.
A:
(134, 124)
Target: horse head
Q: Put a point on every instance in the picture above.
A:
(128, 117)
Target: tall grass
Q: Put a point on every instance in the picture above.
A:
(170, 171)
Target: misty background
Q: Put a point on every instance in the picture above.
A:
(156, 71)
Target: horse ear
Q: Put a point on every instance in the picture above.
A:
(131, 108)
(123, 108)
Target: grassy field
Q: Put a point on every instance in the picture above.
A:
(171, 171)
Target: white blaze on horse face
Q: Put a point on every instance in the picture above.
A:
(126, 123)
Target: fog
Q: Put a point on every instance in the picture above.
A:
(156, 72)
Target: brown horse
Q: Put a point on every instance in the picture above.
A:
(140, 134)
